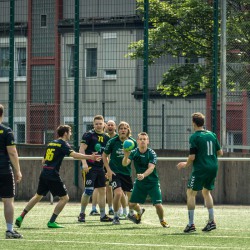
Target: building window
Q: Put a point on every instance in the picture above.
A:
(43, 21)
(20, 132)
(110, 73)
(91, 62)
(234, 141)
(48, 136)
(21, 62)
(70, 65)
(4, 62)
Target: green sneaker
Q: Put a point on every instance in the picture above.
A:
(19, 221)
(54, 225)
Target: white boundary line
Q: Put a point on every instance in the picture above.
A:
(128, 244)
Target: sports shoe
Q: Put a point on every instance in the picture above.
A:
(133, 218)
(13, 235)
(19, 221)
(116, 221)
(94, 213)
(123, 216)
(138, 216)
(165, 224)
(111, 211)
(106, 219)
(209, 227)
(81, 217)
(54, 225)
(189, 229)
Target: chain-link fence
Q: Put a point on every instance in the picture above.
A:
(57, 41)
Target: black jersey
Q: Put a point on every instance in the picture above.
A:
(55, 152)
(96, 143)
(6, 139)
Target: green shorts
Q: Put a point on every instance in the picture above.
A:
(206, 179)
(142, 190)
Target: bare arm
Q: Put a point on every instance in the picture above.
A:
(185, 164)
(12, 152)
(126, 161)
(105, 159)
(82, 149)
(219, 152)
(80, 156)
(150, 169)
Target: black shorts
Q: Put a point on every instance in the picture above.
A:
(7, 185)
(95, 179)
(56, 187)
(123, 181)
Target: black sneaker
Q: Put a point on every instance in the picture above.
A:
(81, 217)
(13, 235)
(111, 211)
(133, 218)
(116, 221)
(94, 213)
(106, 219)
(209, 227)
(189, 229)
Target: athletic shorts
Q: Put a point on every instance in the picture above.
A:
(56, 187)
(199, 181)
(7, 185)
(142, 190)
(94, 179)
(122, 181)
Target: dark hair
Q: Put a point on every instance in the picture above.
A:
(62, 129)
(198, 118)
(1, 110)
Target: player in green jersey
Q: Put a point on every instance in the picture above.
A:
(120, 177)
(147, 181)
(204, 149)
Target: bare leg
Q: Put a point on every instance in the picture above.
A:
(159, 211)
(61, 204)
(8, 209)
(191, 194)
(95, 197)
(209, 203)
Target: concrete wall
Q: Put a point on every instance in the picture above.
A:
(232, 184)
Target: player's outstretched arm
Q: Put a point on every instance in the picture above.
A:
(79, 156)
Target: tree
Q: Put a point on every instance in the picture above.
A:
(184, 28)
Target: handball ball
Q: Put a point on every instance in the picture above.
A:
(128, 145)
(97, 147)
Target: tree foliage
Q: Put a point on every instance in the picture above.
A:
(184, 28)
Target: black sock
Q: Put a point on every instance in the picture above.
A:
(53, 218)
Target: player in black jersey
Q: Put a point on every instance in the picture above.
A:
(50, 179)
(94, 141)
(8, 159)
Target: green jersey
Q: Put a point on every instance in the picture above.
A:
(204, 144)
(114, 148)
(141, 161)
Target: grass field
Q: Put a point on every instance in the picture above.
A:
(233, 230)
